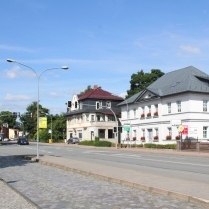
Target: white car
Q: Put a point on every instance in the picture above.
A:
(6, 139)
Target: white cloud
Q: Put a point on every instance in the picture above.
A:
(123, 95)
(190, 49)
(16, 48)
(53, 94)
(10, 97)
(16, 71)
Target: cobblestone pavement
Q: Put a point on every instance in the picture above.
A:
(11, 199)
(53, 188)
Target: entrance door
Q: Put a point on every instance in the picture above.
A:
(150, 135)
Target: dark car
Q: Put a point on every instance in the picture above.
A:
(22, 141)
(73, 140)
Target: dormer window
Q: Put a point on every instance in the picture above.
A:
(108, 104)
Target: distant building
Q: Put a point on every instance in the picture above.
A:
(93, 114)
(155, 115)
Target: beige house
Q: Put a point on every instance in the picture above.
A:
(93, 113)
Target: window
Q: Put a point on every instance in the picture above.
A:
(142, 110)
(92, 117)
(80, 134)
(169, 131)
(143, 132)
(156, 107)
(178, 106)
(87, 117)
(128, 114)
(156, 131)
(149, 109)
(98, 105)
(169, 107)
(111, 118)
(108, 104)
(81, 105)
(205, 106)
(98, 117)
(205, 131)
(134, 113)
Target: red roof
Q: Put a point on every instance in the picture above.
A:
(99, 93)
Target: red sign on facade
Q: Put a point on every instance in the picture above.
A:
(185, 130)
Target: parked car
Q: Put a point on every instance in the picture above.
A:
(22, 141)
(6, 139)
(73, 140)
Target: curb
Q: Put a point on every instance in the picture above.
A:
(22, 195)
(180, 196)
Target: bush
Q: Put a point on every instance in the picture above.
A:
(96, 138)
(160, 146)
(103, 144)
(87, 143)
(97, 143)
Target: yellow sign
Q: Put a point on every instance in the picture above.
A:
(181, 128)
(42, 122)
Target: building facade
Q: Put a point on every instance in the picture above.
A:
(158, 113)
(93, 113)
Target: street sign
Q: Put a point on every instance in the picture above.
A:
(126, 128)
(42, 122)
(181, 128)
(185, 130)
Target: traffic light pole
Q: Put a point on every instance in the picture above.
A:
(116, 144)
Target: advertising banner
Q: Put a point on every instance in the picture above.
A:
(42, 122)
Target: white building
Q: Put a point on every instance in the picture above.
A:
(93, 113)
(179, 96)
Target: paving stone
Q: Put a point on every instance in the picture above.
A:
(53, 188)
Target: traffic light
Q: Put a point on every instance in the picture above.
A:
(114, 129)
(76, 104)
(14, 114)
(97, 106)
(28, 114)
(120, 128)
(69, 104)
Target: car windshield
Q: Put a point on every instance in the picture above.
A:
(23, 139)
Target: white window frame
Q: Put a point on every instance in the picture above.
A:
(87, 117)
(205, 104)
(205, 132)
(92, 118)
(108, 104)
(169, 107)
(156, 132)
(169, 131)
(178, 106)
(134, 113)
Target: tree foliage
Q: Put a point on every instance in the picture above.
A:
(140, 80)
(88, 88)
(7, 117)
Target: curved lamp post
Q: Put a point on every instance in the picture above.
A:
(38, 79)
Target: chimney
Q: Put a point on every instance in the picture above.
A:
(95, 87)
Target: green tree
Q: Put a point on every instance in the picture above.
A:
(7, 117)
(59, 127)
(29, 124)
(86, 90)
(141, 80)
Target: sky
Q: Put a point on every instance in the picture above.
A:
(103, 42)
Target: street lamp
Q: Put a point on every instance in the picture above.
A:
(38, 79)
(116, 120)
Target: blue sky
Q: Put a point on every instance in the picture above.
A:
(102, 41)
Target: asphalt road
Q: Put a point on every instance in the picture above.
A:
(182, 167)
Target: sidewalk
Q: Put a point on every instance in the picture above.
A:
(186, 190)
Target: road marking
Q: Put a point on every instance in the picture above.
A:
(142, 158)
